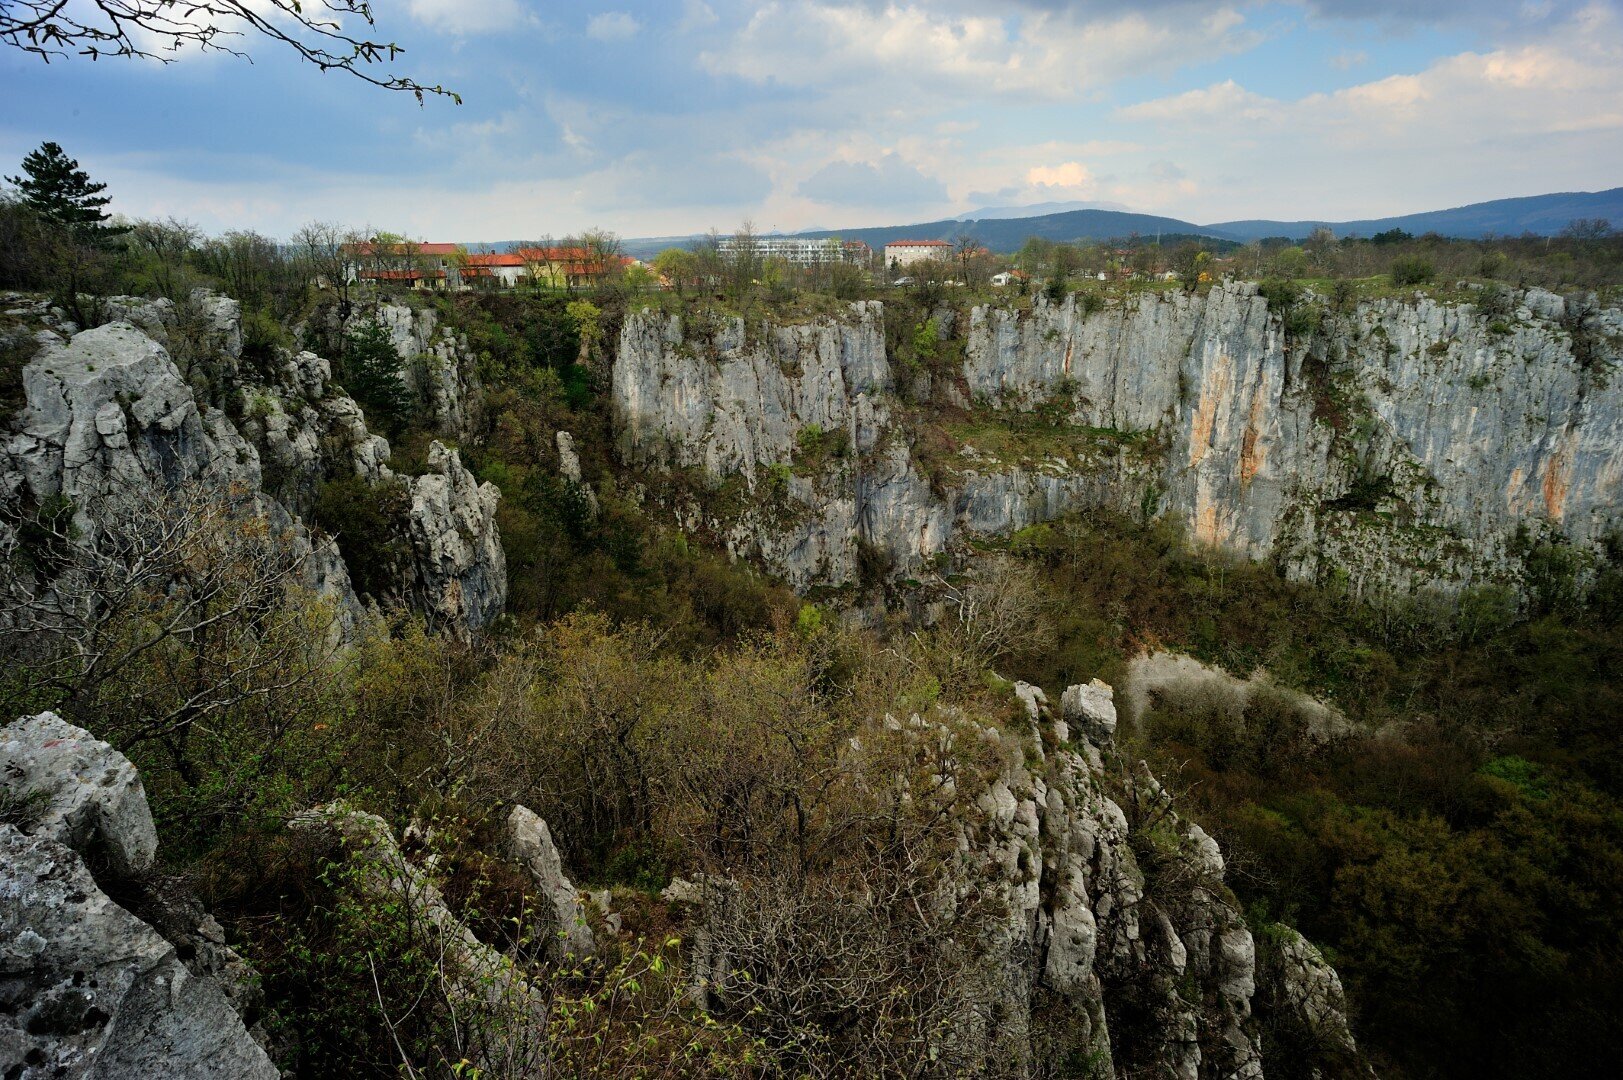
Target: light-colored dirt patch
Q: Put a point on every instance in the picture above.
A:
(1183, 681)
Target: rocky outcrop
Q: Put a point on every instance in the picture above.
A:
(79, 792)
(1395, 443)
(1103, 930)
(459, 572)
(437, 364)
(529, 843)
(88, 989)
(109, 413)
(108, 416)
(306, 430)
(474, 970)
(1303, 996)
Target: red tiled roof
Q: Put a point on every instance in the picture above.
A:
(408, 248)
(509, 259)
(401, 275)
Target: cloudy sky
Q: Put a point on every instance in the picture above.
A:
(681, 115)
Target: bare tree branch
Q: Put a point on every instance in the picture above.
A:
(160, 29)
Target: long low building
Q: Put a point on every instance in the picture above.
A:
(438, 266)
(799, 250)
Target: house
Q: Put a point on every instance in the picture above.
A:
(908, 252)
(501, 271)
(440, 266)
(416, 265)
(1010, 277)
(569, 267)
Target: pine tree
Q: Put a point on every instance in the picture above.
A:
(62, 193)
(372, 375)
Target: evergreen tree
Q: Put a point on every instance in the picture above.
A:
(62, 193)
(373, 376)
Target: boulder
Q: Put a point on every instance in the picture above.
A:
(459, 571)
(88, 989)
(1091, 710)
(78, 791)
(529, 842)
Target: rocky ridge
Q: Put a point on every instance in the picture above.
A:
(109, 410)
(1115, 940)
(1396, 443)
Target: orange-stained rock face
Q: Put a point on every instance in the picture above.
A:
(1253, 454)
(1557, 479)
(1214, 390)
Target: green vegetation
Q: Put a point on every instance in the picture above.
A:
(372, 371)
(1454, 854)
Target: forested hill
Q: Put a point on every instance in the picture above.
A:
(1543, 215)
(1008, 234)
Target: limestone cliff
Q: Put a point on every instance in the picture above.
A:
(1392, 442)
(109, 411)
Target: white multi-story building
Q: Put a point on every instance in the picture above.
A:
(799, 250)
(908, 252)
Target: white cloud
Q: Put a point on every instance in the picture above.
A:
(468, 17)
(612, 26)
(1473, 126)
(820, 44)
(696, 15)
(1070, 174)
(1225, 101)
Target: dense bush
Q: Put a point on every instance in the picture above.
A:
(1412, 270)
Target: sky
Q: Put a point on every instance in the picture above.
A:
(678, 116)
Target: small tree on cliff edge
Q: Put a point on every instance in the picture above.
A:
(372, 374)
(61, 193)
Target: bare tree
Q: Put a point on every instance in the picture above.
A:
(1001, 611)
(156, 616)
(168, 243)
(159, 29)
(326, 253)
(540, 261)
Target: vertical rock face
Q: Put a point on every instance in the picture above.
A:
(436, 364)
(1399, 443)
(108, 413)
(86, 988)
(459, 572)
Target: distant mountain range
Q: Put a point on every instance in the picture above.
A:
(998, 229)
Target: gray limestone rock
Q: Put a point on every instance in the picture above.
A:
(87, 989)
(1091, 709)
(459, 571)
(437, 364)
(1402, 444)
(80, 792)
(107, 415)
(529, 843)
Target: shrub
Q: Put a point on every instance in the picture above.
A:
(366, 521)
(1412, 270)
